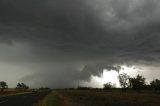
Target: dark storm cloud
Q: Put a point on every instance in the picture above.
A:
(89, 35)
(68, 77)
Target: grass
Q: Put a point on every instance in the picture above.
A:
(110, 98)
(99, 98)
(52, 99)
(12, 92)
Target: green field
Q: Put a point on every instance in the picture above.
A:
(99, 98)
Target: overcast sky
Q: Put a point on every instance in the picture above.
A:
(58, 43)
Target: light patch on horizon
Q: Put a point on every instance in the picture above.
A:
(112, 76)
(109, 76)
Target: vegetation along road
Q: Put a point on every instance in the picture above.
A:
(27, 99)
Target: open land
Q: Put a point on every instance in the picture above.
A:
(100, 98)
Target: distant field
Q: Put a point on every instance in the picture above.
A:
(13, 92)
(110, 98)
(101, 98)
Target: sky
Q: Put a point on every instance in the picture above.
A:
(64, 43)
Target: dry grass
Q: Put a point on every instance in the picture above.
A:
(52, 99)
(8, 92)
(111, 98)
(99, 98)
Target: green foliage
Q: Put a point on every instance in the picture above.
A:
(155, 84)
(137, 83)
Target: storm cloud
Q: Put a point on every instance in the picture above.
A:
(64, 41)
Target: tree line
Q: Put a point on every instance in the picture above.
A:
(3, 85)
(136, 83)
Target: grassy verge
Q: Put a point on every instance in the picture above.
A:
(14, 94)
(52, 99)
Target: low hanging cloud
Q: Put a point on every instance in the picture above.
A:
(75, 39)
(69, 77)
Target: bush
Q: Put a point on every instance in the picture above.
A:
(155, 84)
(3, 85)
(109, 85)
(137, 83)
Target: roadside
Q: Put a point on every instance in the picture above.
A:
(25, 99)
(13, 92)
(53, 99)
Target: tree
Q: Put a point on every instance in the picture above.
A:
(19, 85)
(137, 83)
(155, 84)
(124, 80)
(109, 85)
(3, 85)
(22, 86)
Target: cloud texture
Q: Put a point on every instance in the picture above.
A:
(64, 41)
